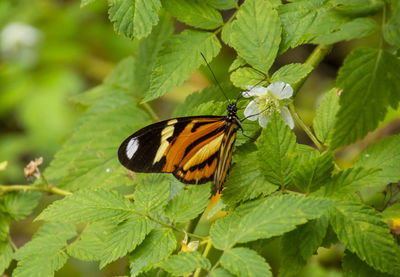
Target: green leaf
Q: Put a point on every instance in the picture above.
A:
(277, 151)
(354, 267)
(357, 28)
(226, 33)
(44, 254)
(90, 244)
(354, 8)
(364, 73)
(245, 262)
(291, 73)
(265, 218)
(85, 160)
(179, 57)
(246, 181)
(291, 260)
(124, 238)
(194, 13)
(5, 256)
(157, 246)
(151, 193)
(5, 222)
(320, 21)
(256, 33)
(188, 204)
(305, 153)
(314, 173)
(247, 76)
(363, 232)
(346, 183)
(210, 93)
(222, 4)
(88, 206)
(391, 31)
(220, 272)
(184, 263)
(121, 76)
(134, 18)
(148, 50)
(298, 245)
(20, 204)
(384, 155)
(325, 116)
(237, 63)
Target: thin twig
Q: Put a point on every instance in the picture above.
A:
(305, 128)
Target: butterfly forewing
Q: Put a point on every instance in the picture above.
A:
(188, 147)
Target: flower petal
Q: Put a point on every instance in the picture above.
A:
(255, 91)
(263, 120)
(287, 117)
(251, 110)
(280, 90)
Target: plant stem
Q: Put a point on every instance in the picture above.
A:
(13, 246)
(305, 128)
(150, 111)
(205, 254)
(51, 189)
(317, 55)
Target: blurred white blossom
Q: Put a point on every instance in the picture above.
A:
(18, 42)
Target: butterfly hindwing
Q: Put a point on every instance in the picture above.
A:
(188, 147)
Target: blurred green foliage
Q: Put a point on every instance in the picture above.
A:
(75, 49)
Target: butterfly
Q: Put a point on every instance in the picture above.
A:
(195, 149)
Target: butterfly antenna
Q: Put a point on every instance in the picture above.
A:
(215, 78)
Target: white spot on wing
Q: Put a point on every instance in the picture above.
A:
(132, 147)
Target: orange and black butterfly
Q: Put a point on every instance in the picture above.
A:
(195, 149)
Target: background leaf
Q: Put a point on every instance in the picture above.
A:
(20, 204)
(291, 73)
(151, 193)
(362, 230)
(88, 206)
(184, 263)
(325, 116)
(365, 72)
(256, 33)
(298, 245)
(125, 237)
(148, 50)
(265, 218)
(391, 31)
(6, 254)
(245, 262)
(222, 4)
(384, 155)
(346, 183)
(157, 246)
(247, 76)
(246, 181)
(323, 22)
(134, 18)
(179, 57)
(188, 204)
(277, 150)
(44, 253)
(354, 267)
(312, 174)
(194, 13)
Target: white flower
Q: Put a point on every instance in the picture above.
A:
(275, 97)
